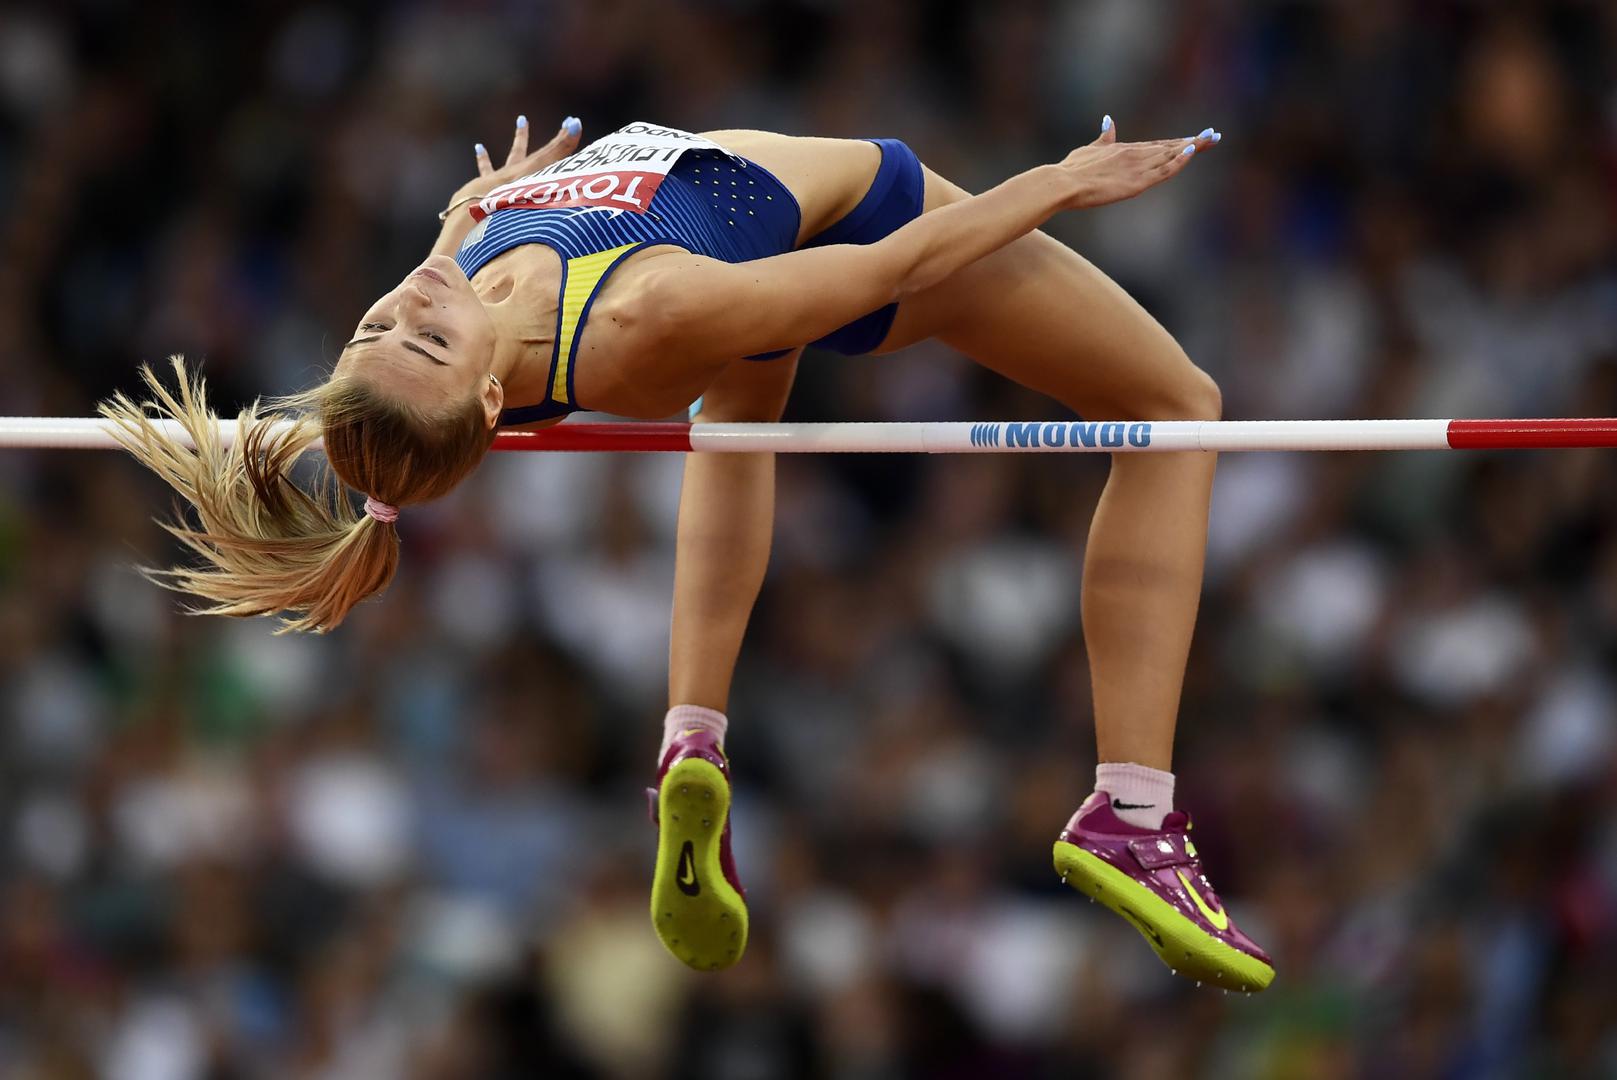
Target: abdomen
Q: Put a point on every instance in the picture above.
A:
(828, 177)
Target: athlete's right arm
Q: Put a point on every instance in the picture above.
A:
(457, 217)
(709, 308)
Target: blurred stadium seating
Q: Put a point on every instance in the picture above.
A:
(418, 847)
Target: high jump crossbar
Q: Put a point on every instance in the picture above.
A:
(961, 437)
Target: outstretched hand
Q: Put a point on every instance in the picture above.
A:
(519, 162)
(1108, 171)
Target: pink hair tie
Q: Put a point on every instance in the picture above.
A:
(381, 511)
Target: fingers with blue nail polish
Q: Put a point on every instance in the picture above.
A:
(1109, 170)
(519, 142)
(573, 126)
(1106, 123)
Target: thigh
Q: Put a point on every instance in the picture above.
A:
(1042, 315)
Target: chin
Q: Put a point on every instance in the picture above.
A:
(444, 264)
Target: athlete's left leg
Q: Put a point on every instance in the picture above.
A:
(1040, 314)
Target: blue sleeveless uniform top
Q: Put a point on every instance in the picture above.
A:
(646, 185)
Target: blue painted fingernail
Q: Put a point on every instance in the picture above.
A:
(573, 125)
(1207, 133)
(1217, 135)
(1191, 149)
(479, 150)
(522, 121)
(1106, 123)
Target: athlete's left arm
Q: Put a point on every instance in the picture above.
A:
(702, 309)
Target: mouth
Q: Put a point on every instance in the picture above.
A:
(431, 275)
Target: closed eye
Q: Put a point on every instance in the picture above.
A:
(436, 339)
(378, 328)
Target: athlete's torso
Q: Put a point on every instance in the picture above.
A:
(597, 217)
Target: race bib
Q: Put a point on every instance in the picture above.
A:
(620, 171)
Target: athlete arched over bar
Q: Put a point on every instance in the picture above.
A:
(655, 267)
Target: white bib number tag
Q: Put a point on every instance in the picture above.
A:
(620, 171)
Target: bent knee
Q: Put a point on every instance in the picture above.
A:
(1202, 399)
(733, 409)
(749, 391)
(1188, 394)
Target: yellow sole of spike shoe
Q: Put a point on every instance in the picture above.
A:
(1185, 947)
(698, 915)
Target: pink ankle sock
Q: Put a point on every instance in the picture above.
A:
(682, 718)
(1140, 796)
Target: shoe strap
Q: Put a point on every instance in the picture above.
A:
(1161, 849)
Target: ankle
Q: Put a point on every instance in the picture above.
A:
(1140, 795)
(684, 718)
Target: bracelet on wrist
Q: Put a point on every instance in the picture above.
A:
(443, 215)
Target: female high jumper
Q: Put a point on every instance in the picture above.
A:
(654, 268)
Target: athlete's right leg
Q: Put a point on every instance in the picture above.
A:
(726, 523)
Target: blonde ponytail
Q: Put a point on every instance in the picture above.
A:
(265, 544)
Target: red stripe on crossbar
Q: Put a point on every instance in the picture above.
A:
(1531, 434)
(613, 437)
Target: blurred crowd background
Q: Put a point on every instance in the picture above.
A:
(418, 847)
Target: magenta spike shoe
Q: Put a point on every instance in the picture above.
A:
(1155, 881)
(698, 906)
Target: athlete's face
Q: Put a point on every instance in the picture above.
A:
(427, 342)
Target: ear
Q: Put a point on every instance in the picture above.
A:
(493, 399)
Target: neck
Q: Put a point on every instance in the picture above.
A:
(524, 319)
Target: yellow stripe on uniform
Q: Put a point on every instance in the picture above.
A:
(583, 277)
